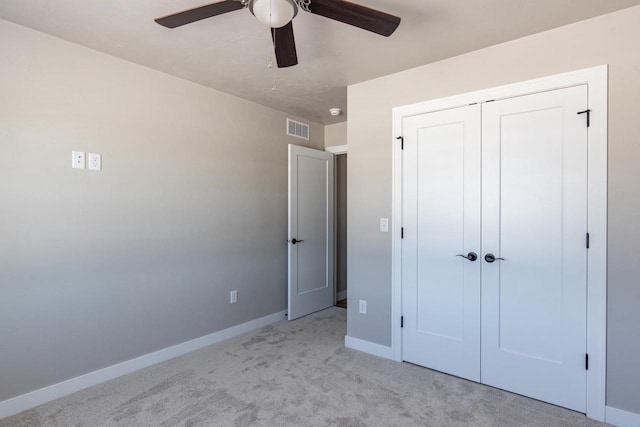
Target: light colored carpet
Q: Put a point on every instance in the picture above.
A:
(293, 374)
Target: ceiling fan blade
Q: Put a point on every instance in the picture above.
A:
(199, 13)
(356, 15)
(285, 46)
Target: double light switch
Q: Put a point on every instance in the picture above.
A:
(78, 161)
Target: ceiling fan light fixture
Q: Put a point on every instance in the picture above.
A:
(273, 13)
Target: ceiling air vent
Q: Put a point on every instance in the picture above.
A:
(297, 129)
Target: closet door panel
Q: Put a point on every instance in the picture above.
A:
(441, 219)
(534, 216)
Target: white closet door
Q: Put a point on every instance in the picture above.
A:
(534, 212)
(441, 219)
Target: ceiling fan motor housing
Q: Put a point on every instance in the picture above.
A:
(274, 13)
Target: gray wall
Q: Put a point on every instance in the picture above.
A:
(98, 268)
(335, 134)
(610, 39)
(341, 223)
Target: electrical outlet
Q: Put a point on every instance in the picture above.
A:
(363, 306)
(77, 159)
(95, 162)
(233, 297)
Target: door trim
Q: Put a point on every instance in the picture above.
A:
(338, 149)
(596, 80)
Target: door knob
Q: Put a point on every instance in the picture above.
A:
(471, 256)
(491, 258)
(294, 241)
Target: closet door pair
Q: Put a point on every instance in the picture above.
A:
(494, 266)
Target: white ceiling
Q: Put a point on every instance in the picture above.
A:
(230, 52)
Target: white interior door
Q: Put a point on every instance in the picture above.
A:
(534, 215)
(441, 221)
(310, 231)
(511, 175)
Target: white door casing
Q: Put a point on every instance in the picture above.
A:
(534, 215)
(596, 81)
(310, 217)
(441, 215)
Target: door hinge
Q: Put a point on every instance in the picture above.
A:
(401, 138)
(586, 361)
(588, 113)
(588, 240)
(402, 232)
(402, 321)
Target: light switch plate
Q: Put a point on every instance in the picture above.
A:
(362, 307)
(384, 225)
(77, 159)
(233, 297)
(95, 162)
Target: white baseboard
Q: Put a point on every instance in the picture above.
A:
(341, 295)
(621, 418)
(368, 347)
(38, 397)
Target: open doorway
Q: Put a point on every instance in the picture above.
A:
(341, 229)
(335, 138)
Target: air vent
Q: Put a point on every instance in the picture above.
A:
(297, 129)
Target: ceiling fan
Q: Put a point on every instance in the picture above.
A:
(278, 15)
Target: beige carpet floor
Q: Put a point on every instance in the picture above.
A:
(292, 374)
